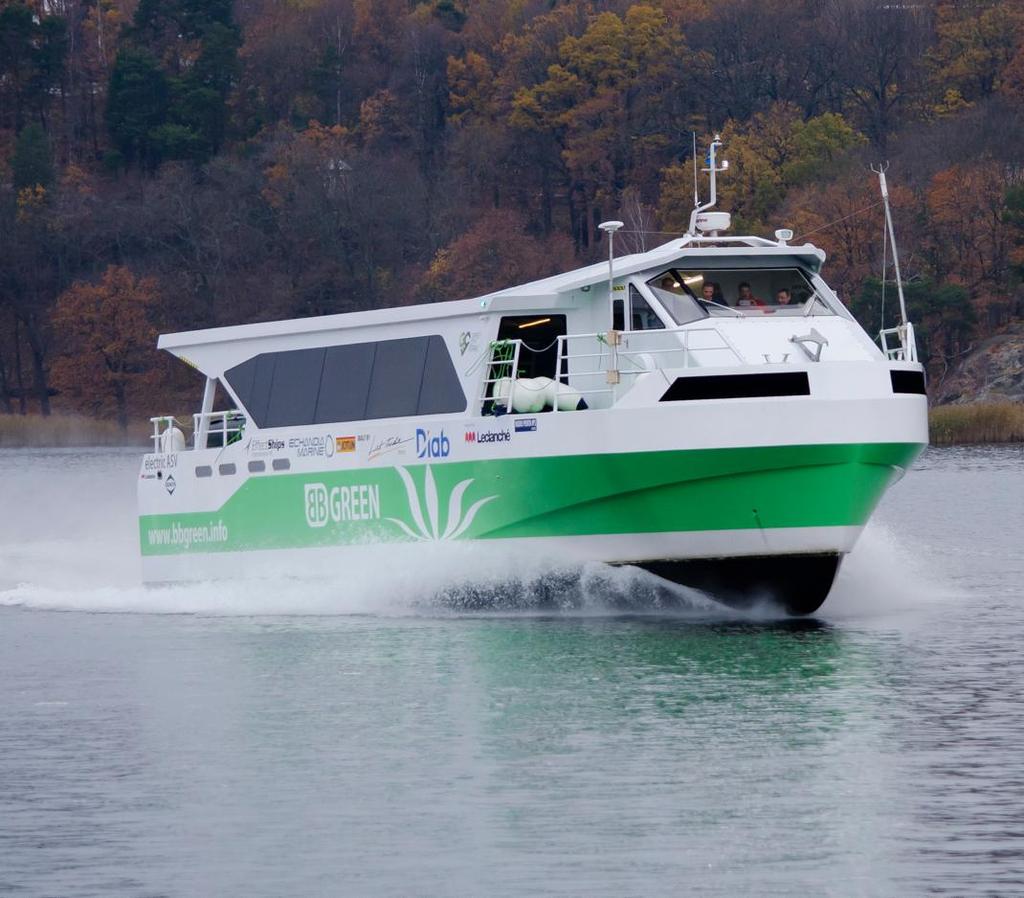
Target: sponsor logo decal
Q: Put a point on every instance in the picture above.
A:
(384, 445)
(489, 436)
(170, 484)
(526, 425)
(428, 528)
(263, 447)
(467, 341)
(178, 535)
(307, 447)
(345, 444)
(358, 502)
(361, 502)
(429, 445)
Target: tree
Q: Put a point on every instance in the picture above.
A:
(109, 340)
(495, 252)
(137, 103)
(1013, 217)
(32, 166)
(974, 48)
(608, 104)
(770, 154)
(879, 48)
(32, 51)
(169, 89)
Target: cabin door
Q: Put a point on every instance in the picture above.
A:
(539, 333)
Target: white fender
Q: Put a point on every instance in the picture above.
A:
(172, 440)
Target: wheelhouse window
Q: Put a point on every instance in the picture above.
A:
(356, 382)
(641, 316)
(740, 291)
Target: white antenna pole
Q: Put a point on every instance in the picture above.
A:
(906, 328)
(696, 188)
(880, 171)
(610, 227)
(713, 170)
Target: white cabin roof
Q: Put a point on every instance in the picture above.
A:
(534, 295)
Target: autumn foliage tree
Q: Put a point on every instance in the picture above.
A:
(496, 252)
(109, 340)
(281, 158)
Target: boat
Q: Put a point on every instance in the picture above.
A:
(707, 410)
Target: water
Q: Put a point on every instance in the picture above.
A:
(382, 743)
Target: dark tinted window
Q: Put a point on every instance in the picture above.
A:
(295, 387)
(390, 378)
(440, 391)
(345, 383)
(397, 378)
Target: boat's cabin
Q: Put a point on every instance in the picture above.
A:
(561, 344)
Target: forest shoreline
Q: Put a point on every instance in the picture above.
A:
(948, 425)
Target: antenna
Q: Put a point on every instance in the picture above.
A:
(713, 169)
(880, 171)
(610, 227)
(696, 189)
(906, 329)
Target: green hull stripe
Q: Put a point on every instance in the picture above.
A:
(645, 492)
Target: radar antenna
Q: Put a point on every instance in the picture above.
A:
(716, 221)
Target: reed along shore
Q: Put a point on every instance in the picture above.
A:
(58, 431)
(982, 422)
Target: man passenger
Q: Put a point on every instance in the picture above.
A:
(712, 292)
(782, 297)
(746, 298)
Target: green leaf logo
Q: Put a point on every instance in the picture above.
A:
(427, 529)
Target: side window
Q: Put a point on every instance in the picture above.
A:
(360, 381)
(642, 316)
(397, 378)
(618, 315)
(440, 390)
(295, 388)
(345, 383)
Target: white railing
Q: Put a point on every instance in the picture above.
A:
(903, 351)
(587, 367)
(214, 429)
(639, 352)
(220, 428)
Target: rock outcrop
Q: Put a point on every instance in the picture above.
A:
(992, 372)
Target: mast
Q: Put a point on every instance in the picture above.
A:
(713, 169)
(906, 329)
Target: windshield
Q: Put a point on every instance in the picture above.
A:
(740, 291)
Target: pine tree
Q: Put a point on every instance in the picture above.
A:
(32, 166)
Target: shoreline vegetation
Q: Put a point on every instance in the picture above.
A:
(948, 425)
(978, 422)
(66, 431)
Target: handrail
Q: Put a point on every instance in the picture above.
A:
(232, 422)
(223, 428)
(638, 358)
(906, 351)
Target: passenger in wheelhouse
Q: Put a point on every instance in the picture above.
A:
(691, 295)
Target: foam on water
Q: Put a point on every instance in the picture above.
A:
(71, 544)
